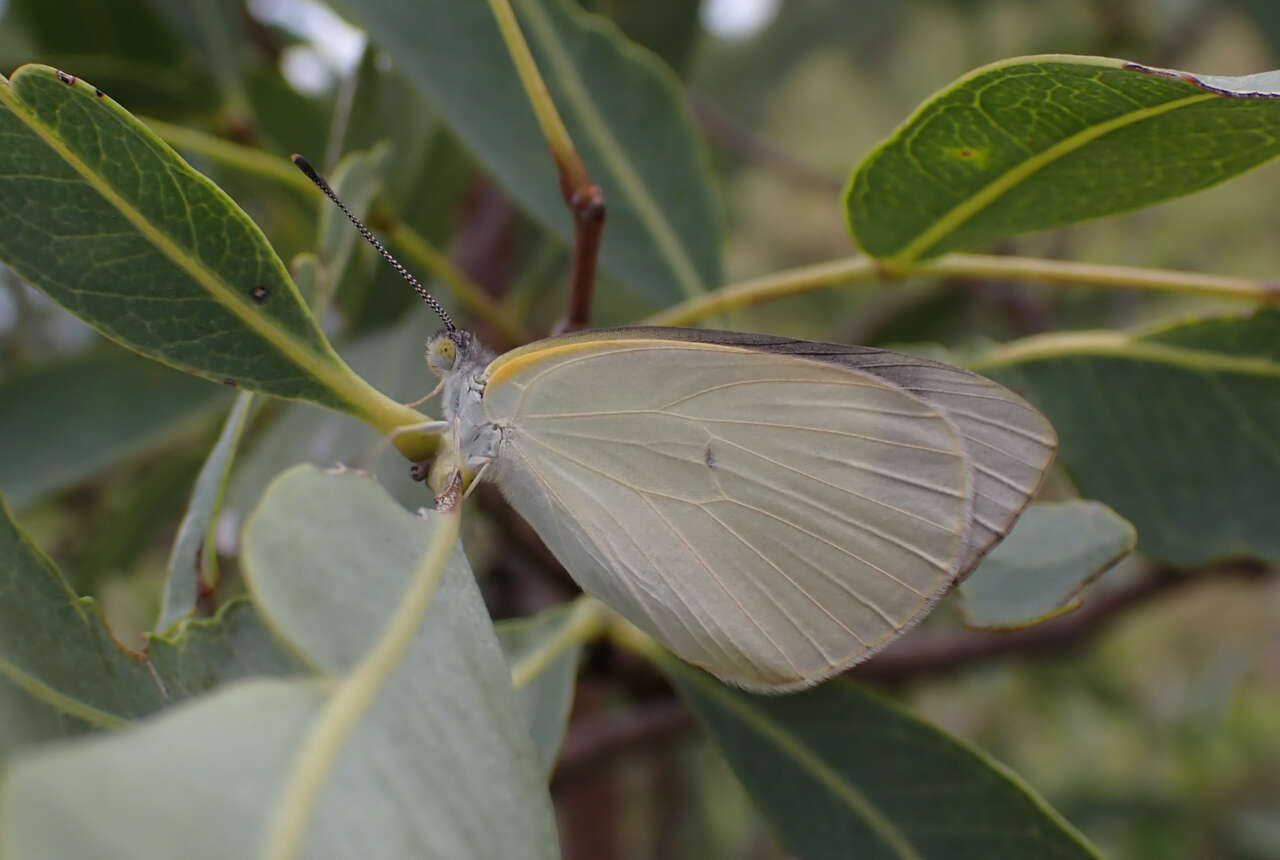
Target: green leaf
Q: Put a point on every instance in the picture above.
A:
(1039, 142)
(393, 359)
(387, 107)
(1054, 551)
(842, 773)
(25, 720)
(358, 179)
(149, 792)
(56, 646)
(1173, 427)
(202, 654)
(546, 699)
(113, 225)
(125, 45)
(442, 759)
(138, 511)
(215, 32)
(623, 109)
(669, 28)
(131, 405)
(192, 561)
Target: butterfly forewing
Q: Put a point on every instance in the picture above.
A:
(769, 517)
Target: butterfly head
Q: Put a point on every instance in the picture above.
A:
(451, 351)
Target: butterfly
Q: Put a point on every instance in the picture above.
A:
(771, 510)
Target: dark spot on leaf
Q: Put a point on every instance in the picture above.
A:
(420, 470)
(966, 152)
(709, 458)
(229, 381)
(259, 294)
(65, 78)
(97, 92)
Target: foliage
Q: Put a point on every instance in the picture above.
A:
(322, 678)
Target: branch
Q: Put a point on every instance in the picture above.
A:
(596, 743)
(583, 197)
(860, 269)
(924, 655)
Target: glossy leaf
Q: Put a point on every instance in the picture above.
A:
(56, 647)
(1035, 573)
(112, 224)
(842, 773)
(130, 404)
(192, 559)
(1193, 462)
(1039, 142)
(546, 699)
(201, 654)
(442, 760)
(623, 110)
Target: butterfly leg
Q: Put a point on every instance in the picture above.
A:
(432, 393)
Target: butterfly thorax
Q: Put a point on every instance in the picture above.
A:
(461, 360)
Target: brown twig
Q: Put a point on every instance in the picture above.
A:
(923, 655)
(586, 203)
(583, 197)
(596, 742)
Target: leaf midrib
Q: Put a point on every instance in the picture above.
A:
(611, 152)
(975, 203)
(810, 761)
(310, 362)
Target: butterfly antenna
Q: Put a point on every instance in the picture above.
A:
(305, 167)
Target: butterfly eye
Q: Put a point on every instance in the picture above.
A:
(442, 352)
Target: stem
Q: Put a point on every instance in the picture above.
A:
(802, 280)
(859, 269)
(588, 619)
(468, 292)
(573, 174)
(353, 696)
(1101, 275)
(584, 198)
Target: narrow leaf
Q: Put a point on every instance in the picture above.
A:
(1054, 551)
(442, 762)
(623, 109)
(131, 404)
(842, 773)
(1039, 142)
(546, 699)
(192, 560)
(100, 214)
(1194, 461)
(56, 646)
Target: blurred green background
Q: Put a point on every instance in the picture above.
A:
(1159, 736)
